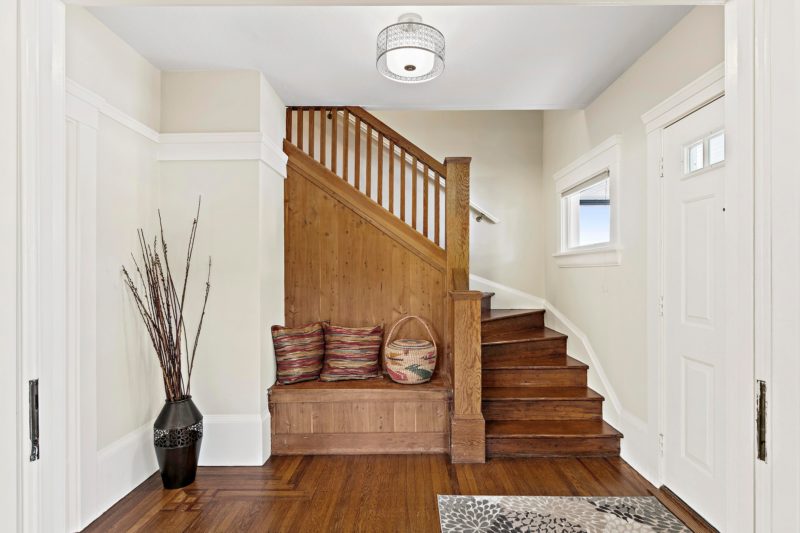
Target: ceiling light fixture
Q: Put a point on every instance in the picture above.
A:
(410, 51)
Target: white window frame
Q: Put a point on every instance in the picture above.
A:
(604, 158)
(707, 164)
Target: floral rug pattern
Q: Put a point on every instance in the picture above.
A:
(556, 514)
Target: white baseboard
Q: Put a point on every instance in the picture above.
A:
(640, 442)
(122, 466)
(505, 297)
(235, 440)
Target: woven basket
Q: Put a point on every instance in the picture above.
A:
(410, 361)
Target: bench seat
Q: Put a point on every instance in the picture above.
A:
(374, 416)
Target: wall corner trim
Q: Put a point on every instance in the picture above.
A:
(103, 106)
(218, 146)
(227, 146)
(687, 100)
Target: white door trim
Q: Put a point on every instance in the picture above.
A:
(41, 262)
(739, 76)
(700, 92)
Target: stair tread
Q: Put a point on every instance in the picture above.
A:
(550, 428)
(525, 335)
(569, 363)
(496, 314)
(539, 393)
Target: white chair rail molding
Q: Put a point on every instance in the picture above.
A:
(588, 199)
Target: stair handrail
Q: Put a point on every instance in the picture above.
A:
(399, 140)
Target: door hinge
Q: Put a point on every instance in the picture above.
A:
(661, 444)
(660, 306)
(761, 420)
(33, 417)
(661, 167)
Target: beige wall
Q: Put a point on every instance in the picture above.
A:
(608, 303)
(104, 63)
(126, 172)
(225, 380)
(505, 179)
(196, 102)
(128, 386)
(241, 228)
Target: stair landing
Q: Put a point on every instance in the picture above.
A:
(535, 399)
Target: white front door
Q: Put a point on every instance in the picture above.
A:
(694, 300)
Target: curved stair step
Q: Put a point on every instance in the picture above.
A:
(528, 345)
(571, 373)
(528, 403)
(551, 438)
(500, 320)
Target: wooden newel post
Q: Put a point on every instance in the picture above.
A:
(463, 339)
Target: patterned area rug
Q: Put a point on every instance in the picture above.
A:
(555, 514)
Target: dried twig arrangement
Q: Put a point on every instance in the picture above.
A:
(162, 308)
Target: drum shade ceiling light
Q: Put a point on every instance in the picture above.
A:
(410, 51)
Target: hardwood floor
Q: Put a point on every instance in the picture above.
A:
(372, 493)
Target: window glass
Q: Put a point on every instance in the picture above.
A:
(589, 214)
(694, 157)
(716, 148)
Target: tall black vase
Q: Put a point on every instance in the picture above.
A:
(177, 436)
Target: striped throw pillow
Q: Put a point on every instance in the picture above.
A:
(298, 352)
(352, 353)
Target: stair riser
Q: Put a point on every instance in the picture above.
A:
(542, 410)
(543, 347)
(556, 377)
(552, 446)
(507, 360)
(486, 303)
(514, 323)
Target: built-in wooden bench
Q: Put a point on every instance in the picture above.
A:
(376, 228)
(374, 416)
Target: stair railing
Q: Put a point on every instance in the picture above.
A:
(375, 159)
(432, 198)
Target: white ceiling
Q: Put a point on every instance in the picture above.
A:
(498, 57)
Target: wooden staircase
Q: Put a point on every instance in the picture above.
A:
(375, 229)
(534, 396)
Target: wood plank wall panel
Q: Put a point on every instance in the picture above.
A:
(342, 268)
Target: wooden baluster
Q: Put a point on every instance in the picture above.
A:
(391, 176)
(414, 193)
(289, 124)
(437, 190)
(334, 136)
(369, 161)
(380, 168)
(323, 127)
(426, 186)
(346, 147)
(311, 134)
(357, 159)
(300, 128)
(403, 185)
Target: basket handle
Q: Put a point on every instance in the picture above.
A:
(407, 317)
